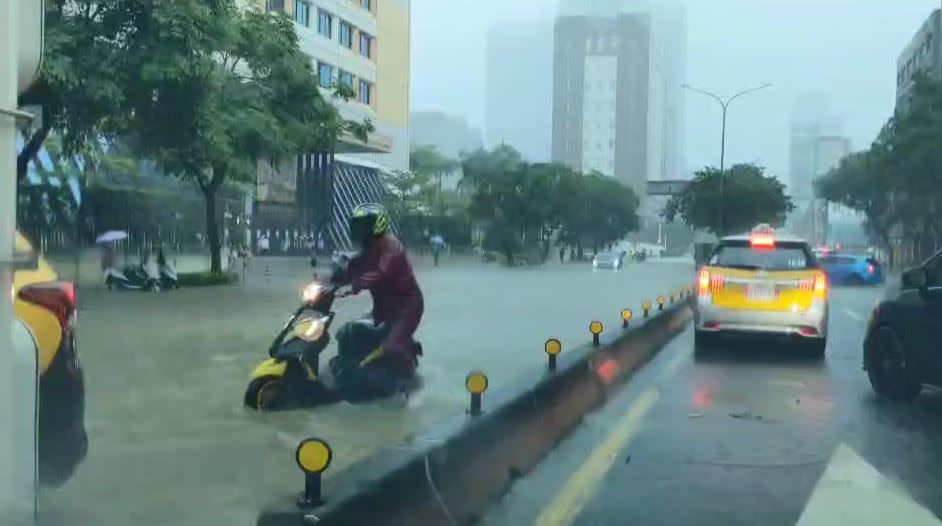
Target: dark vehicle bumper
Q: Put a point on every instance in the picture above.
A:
(63, 442)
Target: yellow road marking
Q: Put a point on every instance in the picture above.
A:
(581, 486)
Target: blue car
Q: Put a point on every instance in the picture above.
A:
(846, 269)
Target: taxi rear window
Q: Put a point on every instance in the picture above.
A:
(784, 256)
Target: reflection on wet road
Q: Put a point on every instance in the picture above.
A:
(170, 442)
(747, 434)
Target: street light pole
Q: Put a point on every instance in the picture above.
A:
(724, 103)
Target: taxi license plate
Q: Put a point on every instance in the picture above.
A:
(760, 293)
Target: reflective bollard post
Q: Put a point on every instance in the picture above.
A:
(552, 347)
(626, 316)
(476, 384)
(313, 457)
(596, 329)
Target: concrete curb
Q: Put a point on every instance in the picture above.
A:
(461, 466)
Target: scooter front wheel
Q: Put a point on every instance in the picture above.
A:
(265, 393)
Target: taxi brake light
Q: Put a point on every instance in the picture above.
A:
(820, 285)
(762, 240)
(703, 282)
(871, 269)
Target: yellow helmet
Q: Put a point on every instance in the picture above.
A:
(368, 220)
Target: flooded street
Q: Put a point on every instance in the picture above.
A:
(170, 442)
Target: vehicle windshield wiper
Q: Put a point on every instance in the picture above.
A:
(745, 267)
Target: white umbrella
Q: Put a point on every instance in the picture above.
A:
(111, 236)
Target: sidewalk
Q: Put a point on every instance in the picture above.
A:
(84, 269)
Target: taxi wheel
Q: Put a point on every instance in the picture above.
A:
(855, 281)
(816, 348)
(703, 341)
(890, 370)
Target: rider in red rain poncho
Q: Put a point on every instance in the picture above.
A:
(384, 270)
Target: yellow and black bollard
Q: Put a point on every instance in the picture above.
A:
(476, 384)
(660, 303)
(672, 296)
(626, 315)
(313, 457)
(646, 307)
(552, 347)
(596, 329)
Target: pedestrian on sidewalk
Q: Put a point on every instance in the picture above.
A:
(438, 246)
(562, 253)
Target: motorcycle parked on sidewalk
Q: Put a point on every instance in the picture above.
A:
(291, 376)
(168, 277)
(132, 278)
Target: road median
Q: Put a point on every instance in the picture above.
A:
(452, 472)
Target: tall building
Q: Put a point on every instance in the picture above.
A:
(519, 98)
(922, 54)
(365, 45)
(617, 101)
(811, 119)
(449, 134)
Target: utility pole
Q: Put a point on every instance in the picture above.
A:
(21, 36)
(724, 103)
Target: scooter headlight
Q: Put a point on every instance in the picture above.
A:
(311, 293)
(310, 329)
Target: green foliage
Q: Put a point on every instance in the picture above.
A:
(748, 197)
(408, 193)
(525, 203)
(206, 279)
(218, 89)
(80, 88)
(898, 180)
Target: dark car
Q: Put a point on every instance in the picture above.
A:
(901, 348)
(849, 269)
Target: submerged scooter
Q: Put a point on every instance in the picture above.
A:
(291, 376)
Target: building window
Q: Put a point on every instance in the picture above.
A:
(366, 45)
(325, 23)
(346, 79)
(325, 75)
(275, 5)
(302, 13)
(346, 35)
(365, 94)
(365, 4)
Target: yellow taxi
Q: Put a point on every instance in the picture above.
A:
(45, 310)
(764, 283)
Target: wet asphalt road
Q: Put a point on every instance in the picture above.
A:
(171, 444)
(743, 435)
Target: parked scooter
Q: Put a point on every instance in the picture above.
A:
(132, 278)
(291, 375)
(168, 277)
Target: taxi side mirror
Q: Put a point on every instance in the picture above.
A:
(313, 262)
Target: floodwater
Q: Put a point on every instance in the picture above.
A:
(170, 442)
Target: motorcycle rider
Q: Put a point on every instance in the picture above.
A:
(383, 268)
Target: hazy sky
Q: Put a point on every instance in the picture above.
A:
(845, 50)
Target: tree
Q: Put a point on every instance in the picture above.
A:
(749, 197)
(218, 89)
(896, 182)
(81, 85)
(860, 182)
(426, 160)
(526, 204)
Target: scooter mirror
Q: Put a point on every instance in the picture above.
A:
(313, 262)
